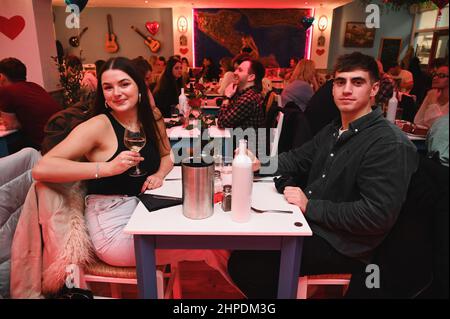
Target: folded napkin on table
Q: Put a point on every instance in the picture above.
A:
(154, 202)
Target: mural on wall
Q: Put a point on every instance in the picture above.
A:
(279, 34)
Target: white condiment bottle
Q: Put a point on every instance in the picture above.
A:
(242, 183)
(392, 108)
(183, 103)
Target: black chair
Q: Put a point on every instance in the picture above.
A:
(295, 131)
(409, 259)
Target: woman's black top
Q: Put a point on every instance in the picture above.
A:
(124, 184)
(166, 96)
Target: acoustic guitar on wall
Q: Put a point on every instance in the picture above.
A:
(75, 40)
(111, 45)
(152, 44)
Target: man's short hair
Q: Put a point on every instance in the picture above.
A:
(258, 70)
(241, 57)
(13, 69)
(357, 61)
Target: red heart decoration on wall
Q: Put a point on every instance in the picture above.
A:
(12, 27)
(320, 51)
(184, 51)
(152, 27)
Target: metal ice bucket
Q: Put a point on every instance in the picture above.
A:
(198, 187)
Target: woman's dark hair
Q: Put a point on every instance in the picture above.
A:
(13, 69)
(98, 65)
(142, 65)
(74, 62)
(167, 79)
(145, 113)
(184, 59)
(358, 61)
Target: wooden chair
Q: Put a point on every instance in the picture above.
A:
(98, 271)
(324, 279)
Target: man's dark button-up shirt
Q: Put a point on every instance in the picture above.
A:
(357, 182)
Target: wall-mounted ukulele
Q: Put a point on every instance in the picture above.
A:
(111, 45)
(75, 40)
(152, 44)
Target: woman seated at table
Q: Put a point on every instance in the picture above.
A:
(226, 66)
(300, 90)
(435, 103)
(209, 72)
(306, 71)
(111, 192)
(169, 87)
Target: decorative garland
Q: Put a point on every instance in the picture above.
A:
(396, 5)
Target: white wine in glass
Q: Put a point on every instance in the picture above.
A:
(134, 139)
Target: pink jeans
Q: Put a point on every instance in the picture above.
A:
(106, 217)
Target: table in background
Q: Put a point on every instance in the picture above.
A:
(180, 137)
(169, 229)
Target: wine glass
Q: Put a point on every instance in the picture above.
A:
(134, 139)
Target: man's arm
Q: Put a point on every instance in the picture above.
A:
(383, 180)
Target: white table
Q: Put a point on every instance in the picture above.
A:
(169, 229)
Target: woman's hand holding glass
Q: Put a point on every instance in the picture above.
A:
(123, 162)
(134, 139)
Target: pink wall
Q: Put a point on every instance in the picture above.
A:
(36, 43)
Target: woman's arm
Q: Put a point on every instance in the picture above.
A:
(62, 163)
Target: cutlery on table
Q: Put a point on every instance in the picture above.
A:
(260, 211)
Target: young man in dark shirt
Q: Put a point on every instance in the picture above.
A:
(26, 102)
(358, 167)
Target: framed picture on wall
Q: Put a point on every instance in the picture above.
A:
(389, 50)
(357, 35)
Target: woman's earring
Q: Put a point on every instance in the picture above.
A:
(139, 98)
(106, 105)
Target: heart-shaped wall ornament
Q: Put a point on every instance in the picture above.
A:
(320, 52)
(184, 51)
(307, 22)
(152, 27)
(12, 27)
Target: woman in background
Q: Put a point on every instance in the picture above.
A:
(306, 71)
(169, 87)
(435, 103)
(300, 89)
(185, 70)
(226, 66)
(209, 71)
